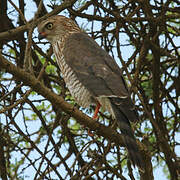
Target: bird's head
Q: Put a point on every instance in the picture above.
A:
(56, 27)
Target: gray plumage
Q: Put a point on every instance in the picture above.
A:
(92, 76)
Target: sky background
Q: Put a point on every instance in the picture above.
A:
(126, 51)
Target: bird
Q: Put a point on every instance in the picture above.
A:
(92, 76)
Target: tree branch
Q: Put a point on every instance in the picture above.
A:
(13, 32)
(56, 100)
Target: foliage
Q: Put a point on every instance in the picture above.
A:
(41, 140)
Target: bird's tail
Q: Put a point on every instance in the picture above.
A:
(127, 133)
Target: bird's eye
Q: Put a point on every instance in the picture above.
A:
(49, 26)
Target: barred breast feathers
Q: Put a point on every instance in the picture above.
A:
(82, 96)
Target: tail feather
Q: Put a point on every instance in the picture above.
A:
(127, 133)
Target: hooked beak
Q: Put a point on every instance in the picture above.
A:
(41, 35)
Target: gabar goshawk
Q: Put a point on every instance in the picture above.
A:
(92, 76)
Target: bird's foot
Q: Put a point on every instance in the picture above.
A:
(90, 133)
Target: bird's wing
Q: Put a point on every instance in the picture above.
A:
(98, 71)
(93, 66)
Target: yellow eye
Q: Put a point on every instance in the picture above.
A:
(49, 26)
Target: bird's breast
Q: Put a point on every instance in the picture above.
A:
(80, 93)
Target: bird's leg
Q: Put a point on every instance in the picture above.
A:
(95, 116)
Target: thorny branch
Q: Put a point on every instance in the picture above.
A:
(149, 57)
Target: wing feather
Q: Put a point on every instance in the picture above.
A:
(99, 73)
(94, 67)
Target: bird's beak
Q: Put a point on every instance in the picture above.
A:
(41, 35)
